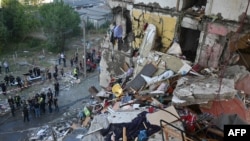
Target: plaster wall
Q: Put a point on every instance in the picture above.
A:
(229, 9)
(165, 26)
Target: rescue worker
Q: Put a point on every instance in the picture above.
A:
(75, 73)
(17, 100)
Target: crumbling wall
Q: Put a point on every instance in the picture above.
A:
(165, 25)
(228, 9)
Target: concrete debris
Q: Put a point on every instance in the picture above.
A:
(235, 72)
(243, 84)
(42, 134)
(156, 95)
(196, 90)
(170, 90)
(52, 132)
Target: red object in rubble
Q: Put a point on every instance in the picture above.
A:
(189, 120)
(91, 64)
(197, 68)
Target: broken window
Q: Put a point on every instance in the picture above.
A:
(194, 6)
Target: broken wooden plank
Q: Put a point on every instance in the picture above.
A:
(156, 117)
(173, 133)
(124, 136)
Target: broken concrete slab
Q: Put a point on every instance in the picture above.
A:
(202, 89)
(161, 60)
(170, 62)
(99, 122)
(235, 72)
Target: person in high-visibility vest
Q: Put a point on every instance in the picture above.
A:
(75, 73)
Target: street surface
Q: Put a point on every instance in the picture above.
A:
(70, 100)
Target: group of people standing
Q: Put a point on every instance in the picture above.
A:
(36, 104)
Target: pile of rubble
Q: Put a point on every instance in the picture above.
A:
(57, 129)
(156, 103)
(162, 96)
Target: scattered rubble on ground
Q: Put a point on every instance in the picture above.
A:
(166, 97)
(66, 82)
(189, 103)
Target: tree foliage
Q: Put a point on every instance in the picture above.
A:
(16, 20)
(57, 20)
(3, 35)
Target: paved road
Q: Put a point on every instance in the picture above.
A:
(14, 129)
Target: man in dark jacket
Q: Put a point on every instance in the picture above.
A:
(3, 87)
(56, 87)
(25, 113)
(12, 108)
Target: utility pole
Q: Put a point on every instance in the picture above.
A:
(84, 48)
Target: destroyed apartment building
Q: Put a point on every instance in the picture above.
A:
(171, 70)
(190, 68)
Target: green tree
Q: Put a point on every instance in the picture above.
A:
(17, 19)
(58, 20)
(3, 35)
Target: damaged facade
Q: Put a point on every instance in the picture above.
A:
(192, 55)
(170, 70)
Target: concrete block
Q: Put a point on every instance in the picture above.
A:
(203, 89)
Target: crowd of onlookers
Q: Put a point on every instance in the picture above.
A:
(41, 102)
(37, 104)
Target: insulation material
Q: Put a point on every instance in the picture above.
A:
(148, 40)
(166, 32)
